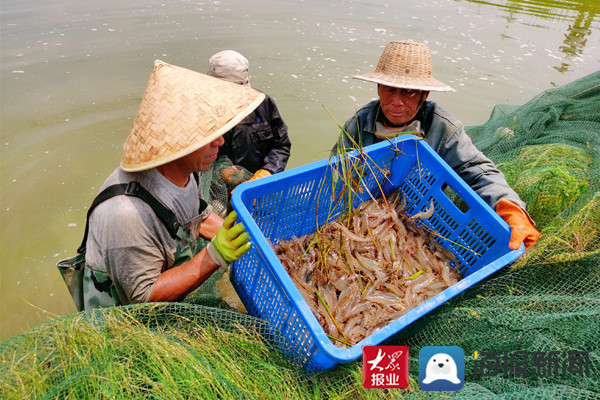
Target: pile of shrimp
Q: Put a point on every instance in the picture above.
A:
(359, 274)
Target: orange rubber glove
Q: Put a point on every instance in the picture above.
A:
(261, 173)
(521, 226)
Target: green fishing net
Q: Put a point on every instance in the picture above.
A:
(218, 182)
(547, 302)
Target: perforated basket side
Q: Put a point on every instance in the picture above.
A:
(259, 291)
(476, 236)
(285, 208)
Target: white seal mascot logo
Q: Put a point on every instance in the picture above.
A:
(441, 366)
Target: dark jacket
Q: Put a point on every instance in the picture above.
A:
(447, 136)
(260, 141)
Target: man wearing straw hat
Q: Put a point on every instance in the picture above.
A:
(131, 254)
(404, 80)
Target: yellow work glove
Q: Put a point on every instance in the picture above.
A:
(261, 173)
(230, 242)
(521, 226)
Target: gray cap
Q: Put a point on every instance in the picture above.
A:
(230, 66)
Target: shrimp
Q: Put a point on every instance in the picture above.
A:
(424, 214)
(370, 271)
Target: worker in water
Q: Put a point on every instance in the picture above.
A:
(132, 254)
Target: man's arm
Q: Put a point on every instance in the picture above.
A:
(228, 245)
(211, 225)
(175, 283)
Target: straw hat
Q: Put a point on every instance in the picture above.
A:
(231, 66)
(407, 65)
(182, 111)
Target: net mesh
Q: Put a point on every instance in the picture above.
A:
(547, 301)
(218, 182)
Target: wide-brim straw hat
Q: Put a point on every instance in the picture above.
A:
(180, 112)
(407, 65)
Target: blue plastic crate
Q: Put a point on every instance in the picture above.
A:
(291, 203)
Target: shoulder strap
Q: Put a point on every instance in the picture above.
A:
(203, 203)
(132, 188)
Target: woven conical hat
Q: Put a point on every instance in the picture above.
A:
(182, 111)
(407, 65)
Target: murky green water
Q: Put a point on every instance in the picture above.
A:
(73, 72)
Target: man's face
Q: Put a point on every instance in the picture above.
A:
(201, 159)
(400, 105)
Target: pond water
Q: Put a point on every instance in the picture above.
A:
(73, 73)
